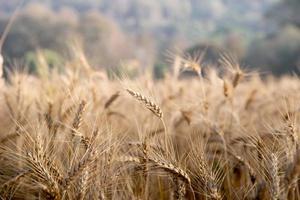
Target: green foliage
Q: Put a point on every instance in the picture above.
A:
(286, 12)
(279, 53)
(43, 61)
(160, 70)
(36, 28)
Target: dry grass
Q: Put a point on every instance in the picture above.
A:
(79, 135)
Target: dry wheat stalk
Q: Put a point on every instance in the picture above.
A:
(42, 171)
(154, 108)
(68, 111)
(78, 169)
(181, 178)
(245, 163)
(81, 166)
(9, 137)
(144, 159)
(13, 181)
(9, 105)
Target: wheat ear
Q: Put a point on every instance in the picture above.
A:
(274, 175)
(112, 99)
(180, 189)
(78, 117)
(154, 108)
(78, 169)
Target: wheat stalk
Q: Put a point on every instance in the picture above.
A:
(78, 169)
(81, 167)
(4, 187)
(40, 170)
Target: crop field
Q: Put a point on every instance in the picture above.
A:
(223, 133)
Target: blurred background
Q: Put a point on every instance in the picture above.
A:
(263, 34)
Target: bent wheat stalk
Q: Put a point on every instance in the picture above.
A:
(153, 107)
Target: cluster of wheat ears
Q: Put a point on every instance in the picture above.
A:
(224, 134)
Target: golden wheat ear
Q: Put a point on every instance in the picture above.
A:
(150, 105)
(112, 98)
(230, 62)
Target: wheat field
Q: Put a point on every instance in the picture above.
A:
(228, 134)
